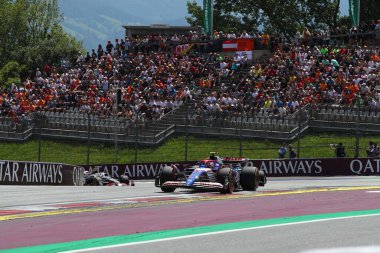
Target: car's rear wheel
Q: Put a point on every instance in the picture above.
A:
(168, 173)
(96, 181)
(262, 178)
(249, 178)
(124, 179)
(224, 176)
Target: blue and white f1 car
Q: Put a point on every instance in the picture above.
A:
(219, 174)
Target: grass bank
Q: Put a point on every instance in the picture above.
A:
(174, 149)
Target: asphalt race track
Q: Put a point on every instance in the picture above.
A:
(287, 215)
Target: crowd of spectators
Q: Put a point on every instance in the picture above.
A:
(299, 75)
(128, 77)
(143, 76)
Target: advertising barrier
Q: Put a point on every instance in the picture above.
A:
(134, 171)
(35, 173)
(273, 168)
(319, 167)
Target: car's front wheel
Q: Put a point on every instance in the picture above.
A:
(224, 176)
(168, 173)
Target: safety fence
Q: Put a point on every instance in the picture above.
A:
(187, 134)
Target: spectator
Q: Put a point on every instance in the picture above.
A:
(292, 153)
(371, 151)
(306, 36)
(376, 151)
(340, 151)
(282, 151)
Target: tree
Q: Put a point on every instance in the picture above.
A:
(369, 10)
(283, 17)
(226, 18)
(10, 73)
(31, 34)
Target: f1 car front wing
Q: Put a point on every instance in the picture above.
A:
(195, 185)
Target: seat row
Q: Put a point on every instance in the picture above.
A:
(259, 123)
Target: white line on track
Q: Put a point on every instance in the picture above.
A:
(215, 233)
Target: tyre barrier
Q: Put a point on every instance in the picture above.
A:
(36, 173)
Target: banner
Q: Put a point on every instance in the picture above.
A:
(354, 10)
(208, 10)
(183, 49)
(134, 171)
(272, 168)
(319, 167)
(35, 173)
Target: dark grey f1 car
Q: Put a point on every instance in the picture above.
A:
(225, 175)
(101, 179)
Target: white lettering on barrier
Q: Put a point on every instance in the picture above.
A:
(78, 176)
(318, 166)
(31, 172)
(301, 167)
(114, 169)
(277, 167)
(35, 171)
(291, 167)
(140, 172)
(370, 166)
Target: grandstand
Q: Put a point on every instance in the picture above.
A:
(140, 90)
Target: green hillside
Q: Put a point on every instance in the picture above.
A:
(311, 146)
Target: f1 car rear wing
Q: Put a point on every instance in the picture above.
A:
(232, 160)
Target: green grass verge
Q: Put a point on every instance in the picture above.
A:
(311, 146)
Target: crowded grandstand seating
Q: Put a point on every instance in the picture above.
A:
(141, 79)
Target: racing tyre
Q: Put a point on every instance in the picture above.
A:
(225, 177)
(262, 178)
(124, 179)
(96, 181)
(168, 173)
(249, 178)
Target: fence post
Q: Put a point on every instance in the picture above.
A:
(136, 134)
(88, 137)
(39, 144)
(299, 133)
(186, 133)
(357, 133)
(116, 142)
(241, 133)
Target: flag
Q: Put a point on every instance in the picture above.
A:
(355, 12)
(237, 45)
(208, 10)
(230, 46)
